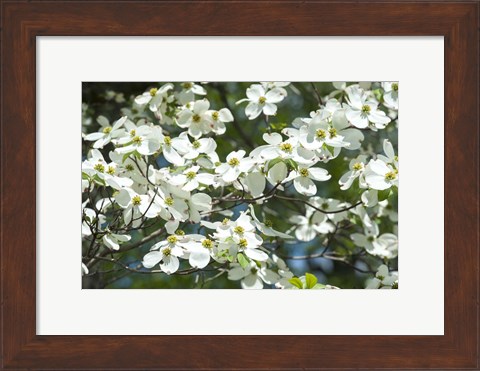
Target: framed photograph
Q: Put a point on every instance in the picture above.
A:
(222, 180)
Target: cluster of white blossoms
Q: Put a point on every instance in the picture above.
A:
(157, 165)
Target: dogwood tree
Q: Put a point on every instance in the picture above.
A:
(240, 185)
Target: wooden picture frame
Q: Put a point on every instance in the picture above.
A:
(23, 21)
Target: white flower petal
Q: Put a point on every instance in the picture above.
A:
(275, 95)
(255, 183)
(269, 109)
(225, 115)
(256, 254)
(319, 174)
(253, 110)
(254, 92)
(356, 118)
(305, 186)
(152, 259)
(169, 264)
(236, 274)
(199, 258)
(252, 281)
(278, 173)
(272, 138)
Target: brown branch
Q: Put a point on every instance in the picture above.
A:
(126, 247)
(317, 208)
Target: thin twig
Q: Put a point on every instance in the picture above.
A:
(317, 208)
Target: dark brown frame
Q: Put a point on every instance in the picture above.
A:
(23, 21)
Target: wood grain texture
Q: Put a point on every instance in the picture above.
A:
(23, 21)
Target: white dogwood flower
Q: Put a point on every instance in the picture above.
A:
(361, 111)
(253, 276)
(166, 253)
(189, 90)
(235, 165)
(197, 119)
(113, 240)
(107, 132)
(262, 101)
(303, 179)
(380, 176)
(384, 246)
(154, 97)
(390, 95)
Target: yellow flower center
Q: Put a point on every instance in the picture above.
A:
(187, 85)
(390, 175)
(243, 243)
(332, 132)
(136, 200)
(239, 230)
(303, 172)
(268, 223)
(99, 167)
(172, 239)
(234, 161)
(169, 201)
(286, 147)
(196, 118)
(357, 166)
(167, 251)
(153, 91)
(133, 133)
(191, 175)
(196, 144)
(167, 140)
(321, 134)
(107, 130)
(111, 170)
(208, 244)
(180, 232)
(395, 86)
(262, 100)
(137, 140)
(366, 108)
(225, 221)
(215, 115)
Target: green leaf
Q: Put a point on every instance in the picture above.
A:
(271, 163)
(295, 281)
(291, 164)
(318, 286)
(99, 180)
(383, 195)
(278, 126)
(125, 156)
(310, 280)
(378, 94)
(85, 176)
(242, 260)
